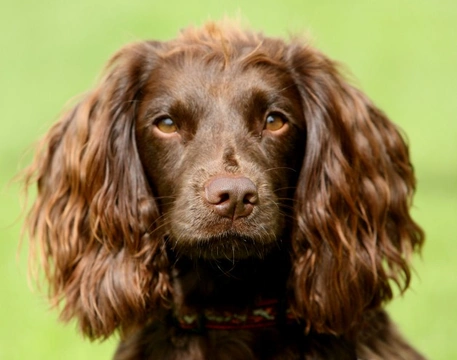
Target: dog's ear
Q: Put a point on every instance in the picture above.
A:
(93, 222)
(353, 231)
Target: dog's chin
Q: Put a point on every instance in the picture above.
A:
(227, 246)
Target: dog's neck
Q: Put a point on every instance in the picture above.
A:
(228, 285)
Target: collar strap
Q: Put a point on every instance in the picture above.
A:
(267, 313)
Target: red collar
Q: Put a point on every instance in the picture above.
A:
(267, 313)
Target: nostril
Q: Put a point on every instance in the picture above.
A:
(250, 198)
(231, 197)
(216, 193)
(224, 197)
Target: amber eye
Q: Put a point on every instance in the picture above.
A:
(166, 125)
(274, 122)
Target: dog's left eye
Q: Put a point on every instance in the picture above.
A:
(166, 125)
(274, 121)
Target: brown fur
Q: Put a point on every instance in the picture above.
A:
(126, 238)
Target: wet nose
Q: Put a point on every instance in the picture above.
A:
(231, 197)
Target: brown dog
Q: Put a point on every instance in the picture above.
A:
(226, 195)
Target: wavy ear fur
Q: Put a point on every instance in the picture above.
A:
(93, 220)
(353, 231)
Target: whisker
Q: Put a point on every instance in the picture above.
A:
(279, 168)
(285, 188)
(286, 199)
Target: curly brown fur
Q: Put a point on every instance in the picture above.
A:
(214, 170)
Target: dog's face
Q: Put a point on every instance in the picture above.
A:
(222, 146)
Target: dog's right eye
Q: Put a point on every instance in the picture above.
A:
(274, 122)
(166, 125)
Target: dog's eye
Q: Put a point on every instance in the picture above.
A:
(274, 122)
(166, 125)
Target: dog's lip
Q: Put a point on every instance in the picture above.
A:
(229, 235)
(228, 238)
(228, 245)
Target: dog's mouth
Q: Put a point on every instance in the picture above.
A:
(229, 245)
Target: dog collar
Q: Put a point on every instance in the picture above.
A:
(267, 313)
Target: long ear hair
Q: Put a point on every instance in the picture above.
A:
(353, 231)
(94, 219)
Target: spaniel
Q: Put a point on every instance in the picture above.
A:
(226, 195)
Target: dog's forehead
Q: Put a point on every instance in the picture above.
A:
(208, 79)
(197, 76)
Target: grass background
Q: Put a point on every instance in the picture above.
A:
(403, 53)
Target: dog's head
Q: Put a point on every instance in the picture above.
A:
(222, 144)
(221, 135)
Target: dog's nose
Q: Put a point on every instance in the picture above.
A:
(232, 197)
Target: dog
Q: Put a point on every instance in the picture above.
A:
(226, 195)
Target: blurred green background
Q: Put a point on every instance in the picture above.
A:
(403, 53)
